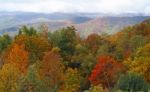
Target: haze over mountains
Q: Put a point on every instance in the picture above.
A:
(85, 23)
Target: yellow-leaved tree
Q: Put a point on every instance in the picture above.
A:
(72, 80)
(141, 63)
(9, 78)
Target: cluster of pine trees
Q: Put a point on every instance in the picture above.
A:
(62, 61)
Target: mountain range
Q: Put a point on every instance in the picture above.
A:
(85, 23)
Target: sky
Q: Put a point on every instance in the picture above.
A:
(91, 6)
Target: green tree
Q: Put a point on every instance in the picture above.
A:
(32, 82)
(27, 31)
(137, 41)
(132, 82)
(84, 61)
(5, 40)
(66, 40)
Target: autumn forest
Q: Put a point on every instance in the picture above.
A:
(63, 61)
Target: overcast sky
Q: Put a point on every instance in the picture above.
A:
(101, 6)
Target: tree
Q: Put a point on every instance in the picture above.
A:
(35, 45)
(132, 82)
(97, 88)
(65, 39)
(141, 63)
(51, 71)
(44, 30)
(72, 80)
(143, 51)
(137, 41)
(9, 78)
(27, 31)
(68, 41)
(85, 59)
(84, 62)
(93, 41)
(105, 72)
(106, 48)
(141, 29)
(5, 40)
(18, 56)
(32, 82)
(122, 49)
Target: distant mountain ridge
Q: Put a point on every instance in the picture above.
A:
(85, 23)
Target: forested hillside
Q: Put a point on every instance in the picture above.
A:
(62, 61)
(85, 23)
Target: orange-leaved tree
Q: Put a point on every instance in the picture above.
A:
(51, 70)
(18, 56)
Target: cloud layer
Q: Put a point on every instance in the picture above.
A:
(101, 6)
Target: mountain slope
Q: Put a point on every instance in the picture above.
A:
(85, 23)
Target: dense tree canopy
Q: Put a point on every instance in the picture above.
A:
(40, 60)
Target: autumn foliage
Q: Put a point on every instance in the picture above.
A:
(9, 78)
(105, 72)
(18, 56)
(64, 61)
(51, 69)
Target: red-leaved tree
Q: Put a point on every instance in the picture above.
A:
(106, 72)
